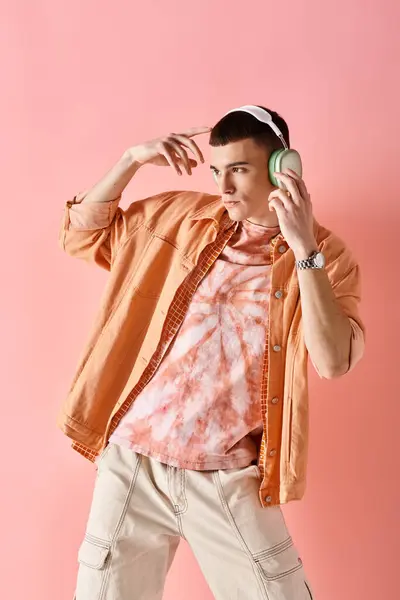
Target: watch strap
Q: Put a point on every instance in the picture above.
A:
(308, 263)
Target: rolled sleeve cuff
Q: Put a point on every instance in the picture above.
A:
(356, 347)
(90, 215)
(356, 344)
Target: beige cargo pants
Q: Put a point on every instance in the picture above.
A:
(142, 508)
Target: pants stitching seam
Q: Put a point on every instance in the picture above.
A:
(278, 549)
(119, 525)
(231, 520)
(180, 510)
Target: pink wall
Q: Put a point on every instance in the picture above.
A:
(81, 81)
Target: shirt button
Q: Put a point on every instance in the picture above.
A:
(278, 294)
(275, 400)
(282, 249)
(277, 348)
(272, 452)
(268, 499)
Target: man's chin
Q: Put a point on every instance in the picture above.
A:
(236, 212)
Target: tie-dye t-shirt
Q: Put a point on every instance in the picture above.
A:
(201, 410)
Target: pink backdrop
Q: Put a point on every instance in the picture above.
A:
(81, 81)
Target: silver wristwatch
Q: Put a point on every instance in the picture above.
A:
(315, 261)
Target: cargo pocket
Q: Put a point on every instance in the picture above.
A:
(93, 558)
(279, 562)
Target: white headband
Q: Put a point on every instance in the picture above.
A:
(264, 116)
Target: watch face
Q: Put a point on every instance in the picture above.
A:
(320, 260)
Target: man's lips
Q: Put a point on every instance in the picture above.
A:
(231, 202)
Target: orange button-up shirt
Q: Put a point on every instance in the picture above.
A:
(157, 252)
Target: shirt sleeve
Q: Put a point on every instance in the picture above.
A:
(90, 215)
(347, 290)
(95, 231)
(91, 230)
(357, 344)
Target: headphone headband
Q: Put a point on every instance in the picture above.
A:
(261, 115)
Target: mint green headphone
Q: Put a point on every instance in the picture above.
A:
(279, 159)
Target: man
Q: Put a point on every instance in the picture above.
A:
(192, 395)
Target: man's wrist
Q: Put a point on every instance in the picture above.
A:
(304, 252)
(129, 160)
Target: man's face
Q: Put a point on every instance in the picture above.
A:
(241, 173)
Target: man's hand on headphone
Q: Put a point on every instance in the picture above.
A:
(294, 211)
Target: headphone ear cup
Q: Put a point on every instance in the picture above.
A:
(284, 159)
(273, 167)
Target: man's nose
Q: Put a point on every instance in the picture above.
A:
(226, 184)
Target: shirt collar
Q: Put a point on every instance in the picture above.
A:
(215, 211)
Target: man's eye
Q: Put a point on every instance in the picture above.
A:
(238, 170)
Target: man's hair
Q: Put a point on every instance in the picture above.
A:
(239, 125)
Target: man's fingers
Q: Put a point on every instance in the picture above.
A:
(173, 149)
(276, 205)
(176, 157)
(182, 154)
(282, 198)
(185, 141)
(299, 181)
(193, 131)
(291, 185)
(168, 154)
